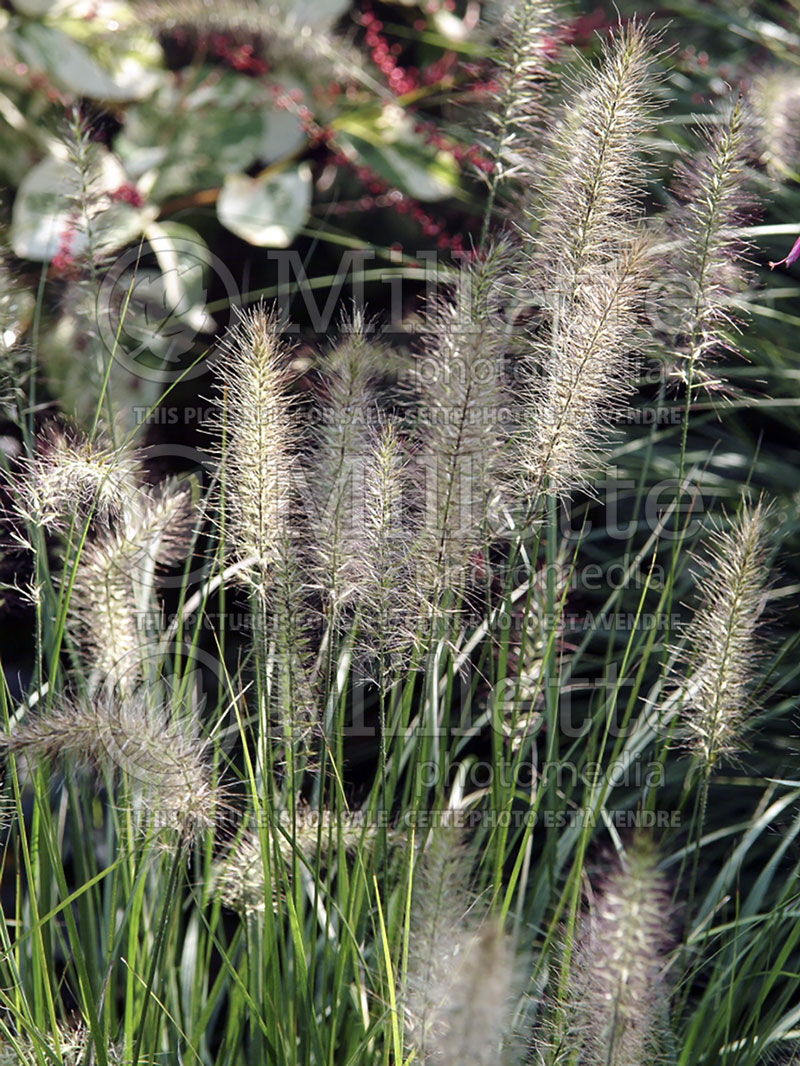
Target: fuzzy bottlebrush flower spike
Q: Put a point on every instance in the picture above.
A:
(588, 268)
(723, 641)
(154, 746)
(703, 223)
(460, 974)
(113, 583)
(386, 599)
(71, 478)
(525, 30)
(617, 995)
(462, 392)
(348, 375)
(241, 876)
(261, 480)
(257, 452)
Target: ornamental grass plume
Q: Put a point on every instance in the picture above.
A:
(149, 742)
(461, 387)
(724, 644)
(241, 877)
(113, 583)
(348, 374)
(386, 600)
(460, 973)
(264, 527)
(588, 266)
(258, 441)
(71, 477)
(617, 996)
(775, 100)
(525, 31)
(703, 223)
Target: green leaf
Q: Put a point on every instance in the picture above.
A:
(49, 50)
(184, 259)
(385, 141)
(268, 210)
(191, 141)
(315, 12)
(44, 213)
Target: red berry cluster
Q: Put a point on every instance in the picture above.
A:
(402, 80)
(239, 57)
(379, 194)
(126, 194)
(469, 153)
(63, 262)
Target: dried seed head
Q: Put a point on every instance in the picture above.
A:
(723, 641)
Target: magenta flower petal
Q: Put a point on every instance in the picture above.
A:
(792, 257)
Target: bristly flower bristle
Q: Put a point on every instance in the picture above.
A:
(460, 973)
(462, 389)
(348, 374)
(113, 584)
(258, 439)
(704, 226)
(723, 641)
(386, 600)
(526, 31)
(588, 268)
(71, 478)
(618, 990)
(139, 735)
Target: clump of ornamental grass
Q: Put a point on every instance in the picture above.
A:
(70, 1047)
(775, 100)
(723, 642)
(461, 387)
(112, 586)
(615, 1006)
(245, 879)
(588, 267)
(140, 739)
(706, 248)
(460, 973)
